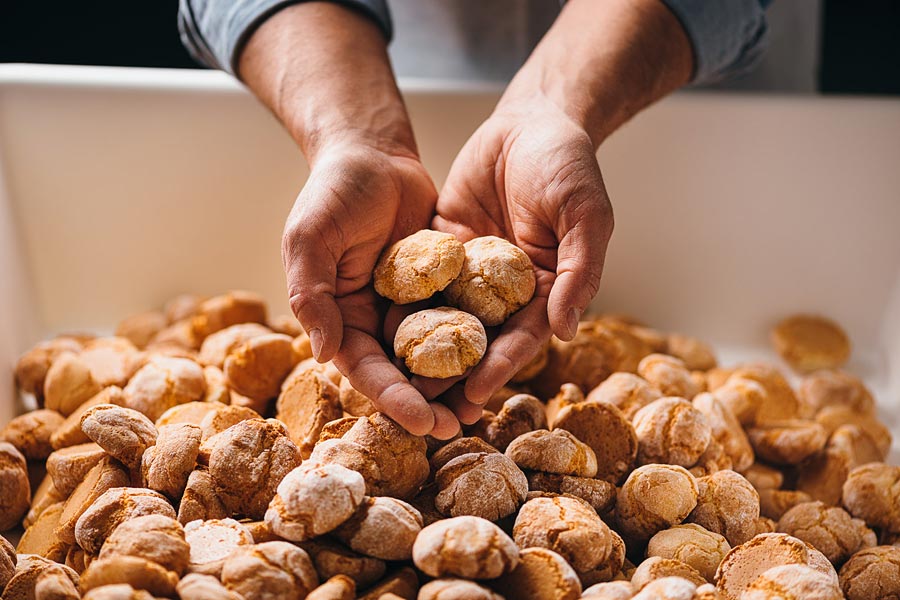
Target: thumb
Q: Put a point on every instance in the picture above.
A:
(586, 227)
(311, 271)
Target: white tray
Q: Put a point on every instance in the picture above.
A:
(122, 187)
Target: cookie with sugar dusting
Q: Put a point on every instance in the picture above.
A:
(419, 265)
(440, 342)
(496, 280)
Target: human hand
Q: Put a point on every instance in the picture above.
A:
(356, 201)
(367, 188)
(529, 174)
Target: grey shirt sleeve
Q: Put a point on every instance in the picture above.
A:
(728, 36)
(215, 31)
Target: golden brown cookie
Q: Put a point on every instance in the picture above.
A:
(830, 529)
(653, 498)
(314, 499)
(542, 574)
(382, 527)
(745, 563)
(154, 537)
(872, 573)
(112, 509)
(691, 544)
(728, 505)
(464, 480)
(793, 582)
(569, 527)
(872, 493)
(40, 538)
(469, 547)
(339, 587)
(139, 573)
(31, 433)
(605, 429)
(809, 343)
(440, 342)
(657, 567)
(419, 265)
(270, 571)
(556, 451)
(496, 280)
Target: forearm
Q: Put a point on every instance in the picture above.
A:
(324, 71)
(602, 62)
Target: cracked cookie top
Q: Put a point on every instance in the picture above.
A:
(419, 265)
(440, 342)
(496, 280)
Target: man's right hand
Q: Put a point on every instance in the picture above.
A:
(324, 71)
(356, 201)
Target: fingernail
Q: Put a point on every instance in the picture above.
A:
(572, 320)
(316, 341)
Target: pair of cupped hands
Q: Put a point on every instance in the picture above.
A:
(529, 174)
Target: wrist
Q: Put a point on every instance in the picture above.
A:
(322, 129)
(325, 73)
(601, 63)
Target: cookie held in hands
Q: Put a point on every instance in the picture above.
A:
(440, 342)
(419, 265)
(496, 280)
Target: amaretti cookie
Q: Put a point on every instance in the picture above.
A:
(440, 342)
(418, 266)
(496, 280)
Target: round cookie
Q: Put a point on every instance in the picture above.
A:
(872, 573)
(542, 574)
(794, 582)
(467, 546)
(744, 563)
(440, 342)
(496, 280)
(418, 266)
(809, 343)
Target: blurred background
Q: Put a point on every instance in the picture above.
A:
(816, 46)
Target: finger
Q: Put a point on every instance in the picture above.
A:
(520, 339)
(467, 412)
(311, 271)
(431, 388)
(445, 424)
(584, 236)
(419, 197)
(395, 315)
(362, 360)
(463, 232)
(468, 205)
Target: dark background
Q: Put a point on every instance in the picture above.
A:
(860, 47)
(860, 40)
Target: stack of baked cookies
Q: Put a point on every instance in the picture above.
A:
(484, 281)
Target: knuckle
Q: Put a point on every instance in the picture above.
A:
(298, 301)
(592, 281)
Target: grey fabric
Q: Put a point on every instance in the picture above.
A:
(215, 31)
(467, 40)
(728, 36)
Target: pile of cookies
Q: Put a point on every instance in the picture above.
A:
(485, 281)
(202, 454)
